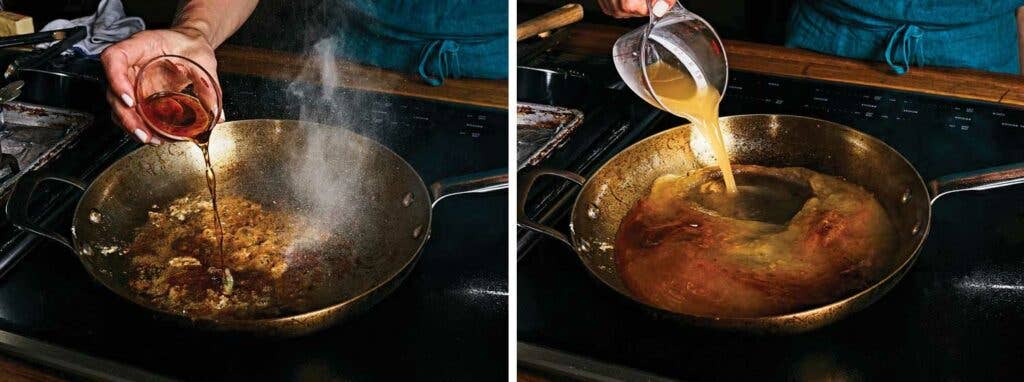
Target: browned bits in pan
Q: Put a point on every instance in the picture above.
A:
(274, 260)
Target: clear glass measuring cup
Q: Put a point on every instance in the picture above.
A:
(680, 39)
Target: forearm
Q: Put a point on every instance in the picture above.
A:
(216, 20)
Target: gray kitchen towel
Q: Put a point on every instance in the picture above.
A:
(108, 26)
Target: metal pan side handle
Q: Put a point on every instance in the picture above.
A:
(485, 181)
(18, 203)
(525, 184)
(977, 180)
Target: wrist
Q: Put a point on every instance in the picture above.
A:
(196, 30)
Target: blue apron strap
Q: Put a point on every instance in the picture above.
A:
(445, 54)
(909, 43)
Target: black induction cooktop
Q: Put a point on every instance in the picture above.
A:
(447, 321)
(955, 316)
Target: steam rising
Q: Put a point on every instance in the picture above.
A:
(332, 178)
(328, 189)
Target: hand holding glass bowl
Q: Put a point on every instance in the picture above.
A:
(124, 61)
(177, 99)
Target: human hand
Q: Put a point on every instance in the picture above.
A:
(122, 62)
(634, 8)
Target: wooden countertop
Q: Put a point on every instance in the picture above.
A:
(288, 66)
(592, 39)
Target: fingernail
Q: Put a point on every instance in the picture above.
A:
(155, 141)
(128, 101)
(143, 137)
(223, 116)
(660, 8)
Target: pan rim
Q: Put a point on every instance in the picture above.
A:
(236, 323)
(893, 277)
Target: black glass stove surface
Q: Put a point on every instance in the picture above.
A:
(956, 315)
(447, 321)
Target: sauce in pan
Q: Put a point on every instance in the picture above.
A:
(763, 241)
(791, 239)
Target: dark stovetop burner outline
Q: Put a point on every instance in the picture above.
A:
(448, 320)
(953, 316)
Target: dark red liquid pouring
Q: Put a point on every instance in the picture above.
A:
(179, 115)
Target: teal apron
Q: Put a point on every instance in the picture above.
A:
(435, 39)
(954, 33)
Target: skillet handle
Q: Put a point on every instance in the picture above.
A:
(525, 184)
(485, 181)
(984, 179)
(17, 205)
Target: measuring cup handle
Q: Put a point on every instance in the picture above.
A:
(977, 180)
(18, 203)
(525, 184)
